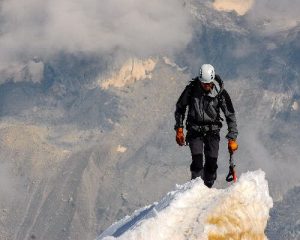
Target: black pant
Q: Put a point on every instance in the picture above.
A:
(207, 143)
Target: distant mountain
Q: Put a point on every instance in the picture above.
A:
(284, 221)
(90, 140)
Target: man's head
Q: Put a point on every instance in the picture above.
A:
(207, 76)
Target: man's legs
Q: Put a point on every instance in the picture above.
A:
(211, 151)
(196, 146)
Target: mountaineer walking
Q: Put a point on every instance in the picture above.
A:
(205, 96)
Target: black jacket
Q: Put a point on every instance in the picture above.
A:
(204, 108)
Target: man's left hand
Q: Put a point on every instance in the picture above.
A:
(232, 145)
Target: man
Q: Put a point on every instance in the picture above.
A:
(204, 97)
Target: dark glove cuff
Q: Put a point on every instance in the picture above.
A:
(178, 126)
(232, 136)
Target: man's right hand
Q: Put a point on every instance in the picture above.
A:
(180, 137)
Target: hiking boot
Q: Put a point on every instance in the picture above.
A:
(197, 174)
(209, 179)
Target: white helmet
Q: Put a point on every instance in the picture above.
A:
(207, 73)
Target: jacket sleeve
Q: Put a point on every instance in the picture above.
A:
(228, 110)
(181, 105)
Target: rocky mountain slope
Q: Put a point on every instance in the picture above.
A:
(85, 140)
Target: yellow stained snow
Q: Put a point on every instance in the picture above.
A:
(237, 217)
(133, 70)
(231, 223)
(240, 6)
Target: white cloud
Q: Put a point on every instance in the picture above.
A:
(133, 27)
(275, 15)
(268, 16)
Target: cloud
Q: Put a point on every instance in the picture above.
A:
(133, 27)
(274, 15)
(268, 16)
(266, 140)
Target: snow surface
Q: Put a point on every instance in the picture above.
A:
(194, 211)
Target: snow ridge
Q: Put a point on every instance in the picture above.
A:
(193, 211)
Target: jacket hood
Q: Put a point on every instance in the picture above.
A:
(218, 88)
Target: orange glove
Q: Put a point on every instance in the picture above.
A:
(232, 145)
(180, 137)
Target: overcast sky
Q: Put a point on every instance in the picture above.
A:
(138, 28)
(135, 27)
